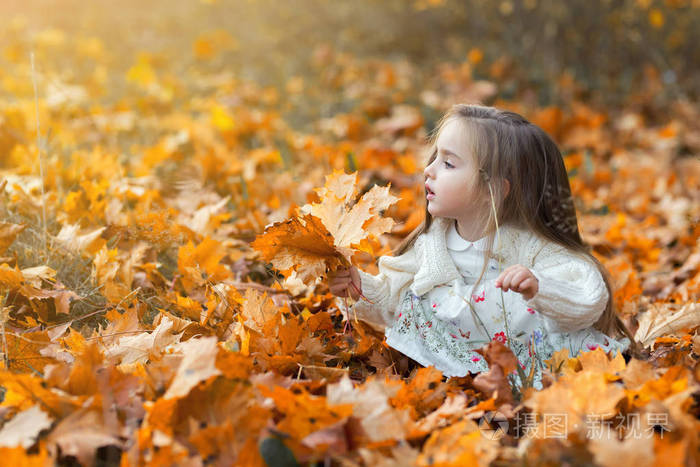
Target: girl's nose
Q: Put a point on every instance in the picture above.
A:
(428, 171)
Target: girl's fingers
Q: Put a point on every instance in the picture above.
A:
(345, 283)
(519, 278)
(507, 280)
(501, 277)
(506, 271)
(511, 278)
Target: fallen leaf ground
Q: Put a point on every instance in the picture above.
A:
(139, 326)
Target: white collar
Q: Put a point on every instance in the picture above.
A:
(456, 242)
(437, 267)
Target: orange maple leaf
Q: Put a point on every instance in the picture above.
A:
(301, 244)
(194, 261)
(327, 233)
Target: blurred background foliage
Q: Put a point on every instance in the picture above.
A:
(640, 53)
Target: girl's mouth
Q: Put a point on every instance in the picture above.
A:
(430, 194)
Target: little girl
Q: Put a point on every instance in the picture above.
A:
(499, 256)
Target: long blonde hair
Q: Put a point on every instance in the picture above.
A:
(508, 147)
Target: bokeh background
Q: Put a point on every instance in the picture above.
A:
(640, 52)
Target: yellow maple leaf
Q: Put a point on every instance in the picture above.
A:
(350, 224)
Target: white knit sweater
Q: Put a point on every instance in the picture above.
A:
(571, 292)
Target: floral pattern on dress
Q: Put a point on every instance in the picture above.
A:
(447, 338)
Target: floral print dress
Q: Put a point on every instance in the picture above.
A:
(444, 326)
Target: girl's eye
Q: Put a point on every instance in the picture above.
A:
(448, 165)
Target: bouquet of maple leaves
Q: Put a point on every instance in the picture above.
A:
(323, 236)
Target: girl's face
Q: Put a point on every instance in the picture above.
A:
(451, 178)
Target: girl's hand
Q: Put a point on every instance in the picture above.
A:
(345, 282)
(519, 279)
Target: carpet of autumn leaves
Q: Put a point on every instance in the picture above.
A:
(139, 327)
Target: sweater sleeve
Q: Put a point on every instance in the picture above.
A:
(571, 291)
(386, 288)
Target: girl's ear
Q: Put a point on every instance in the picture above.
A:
(506, 187)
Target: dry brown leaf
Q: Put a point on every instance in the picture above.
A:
(58, 331)
(453, 408)
(502, 362)
(71, 238)
(660, 321)
(138, 346)
(37, 274)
